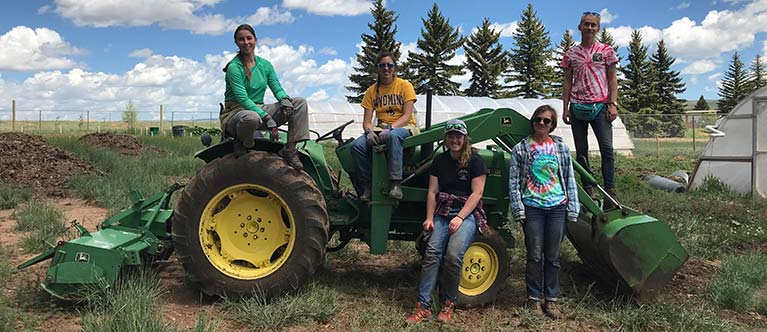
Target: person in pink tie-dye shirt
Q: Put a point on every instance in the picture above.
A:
(590, 97)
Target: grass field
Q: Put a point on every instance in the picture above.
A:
(724, 286)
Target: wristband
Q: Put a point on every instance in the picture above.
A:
(459, 217)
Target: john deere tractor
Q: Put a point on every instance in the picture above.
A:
(248, 222)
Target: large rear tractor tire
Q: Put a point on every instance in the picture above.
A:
(250, 224)
(485, 269)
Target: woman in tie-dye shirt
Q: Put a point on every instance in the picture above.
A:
(543, 195)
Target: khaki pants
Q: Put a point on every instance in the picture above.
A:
(237, 121)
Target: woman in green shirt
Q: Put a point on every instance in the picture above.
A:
(247, 77)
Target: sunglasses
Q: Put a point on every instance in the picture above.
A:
(385, 65)
(454, 126)
(539, 119)
(591, 13)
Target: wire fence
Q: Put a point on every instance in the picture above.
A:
(689, 132)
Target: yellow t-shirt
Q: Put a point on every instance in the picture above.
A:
(388, 101)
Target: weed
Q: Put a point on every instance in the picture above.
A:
(762, 306)
(133, 305)
(11, 195)
(206, 324)
(314, 303)
(36, 215)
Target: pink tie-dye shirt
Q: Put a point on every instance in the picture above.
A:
(589, 65)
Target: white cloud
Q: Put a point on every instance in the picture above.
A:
(606, 16)
(331, 7)
(460, 59)
(700, 67)
(177, 14)
(506, 29)
(25, 49)
(622, 35)
(141, 53)
(181, 84)
(43, 9)
(406, 49)
(764, 49)
(319, 95)
(328, 51)
(719, 32)
(714, 76)
(683, 5)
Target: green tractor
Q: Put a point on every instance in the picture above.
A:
(249, 223)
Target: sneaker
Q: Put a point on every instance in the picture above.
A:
(291, 156)
(395, 191)
(446, 313)
(419, 314)
(552, 310)
(535, 307)
(365, 196)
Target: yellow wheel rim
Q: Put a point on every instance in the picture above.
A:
(247, 231)
(480, 269)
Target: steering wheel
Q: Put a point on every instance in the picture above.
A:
(335, 133)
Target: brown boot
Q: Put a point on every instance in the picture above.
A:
(590, 191)
(419, 314)
(552, 310)
(609, 204)
(535, 307)
(291, 156)
(446, 313)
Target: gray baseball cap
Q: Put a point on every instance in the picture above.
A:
(456, 125)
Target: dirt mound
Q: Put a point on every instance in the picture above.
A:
(121, 143)
(26, 160)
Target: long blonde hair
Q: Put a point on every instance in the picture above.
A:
(466, 151)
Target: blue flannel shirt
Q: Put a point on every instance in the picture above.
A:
(518, 173)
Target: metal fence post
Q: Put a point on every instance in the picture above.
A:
(87, 120)
(40, 120)
(693, 133)
(172, 119)
(161, 117)
(210, 118)
(13, 115)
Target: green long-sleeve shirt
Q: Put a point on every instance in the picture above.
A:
(250, 94)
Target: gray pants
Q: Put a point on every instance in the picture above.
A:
(243, 121)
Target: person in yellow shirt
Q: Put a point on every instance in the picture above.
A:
(391, 99)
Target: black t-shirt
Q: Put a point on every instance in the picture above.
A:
(453, 180)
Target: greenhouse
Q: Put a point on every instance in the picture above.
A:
(325, 116)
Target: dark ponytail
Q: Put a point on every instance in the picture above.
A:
(253, 32)
(379, 57)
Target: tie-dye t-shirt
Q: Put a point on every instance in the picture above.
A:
(543, 188)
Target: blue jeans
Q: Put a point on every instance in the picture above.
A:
(603, 130)
(447, 250)
(544, 230)
(362, 154)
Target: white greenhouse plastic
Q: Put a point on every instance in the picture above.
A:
(324, 116)
(739, 157)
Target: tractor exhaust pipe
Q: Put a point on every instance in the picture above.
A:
(427, 148)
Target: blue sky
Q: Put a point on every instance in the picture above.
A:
(97, 55)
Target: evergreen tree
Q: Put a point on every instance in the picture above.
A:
(606, 38)
(437, 44)
(667, 84)
(486, 60)
(556, 84)
(382, 39)
(701, 105)
(530, 74)
(634, 86)
(758, 77)
(734, 85)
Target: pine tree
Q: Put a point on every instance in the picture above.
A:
(559, 74)
(701, 105)
(606, 38)
(437, 44)
(634, 85)
(486, 60)
(382, 39)
(530, 74)
(758, 77)
(667, 84)
(734, 85)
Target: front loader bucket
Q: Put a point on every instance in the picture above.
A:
(628, 249)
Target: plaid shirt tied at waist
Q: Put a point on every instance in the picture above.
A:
(445, 202)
